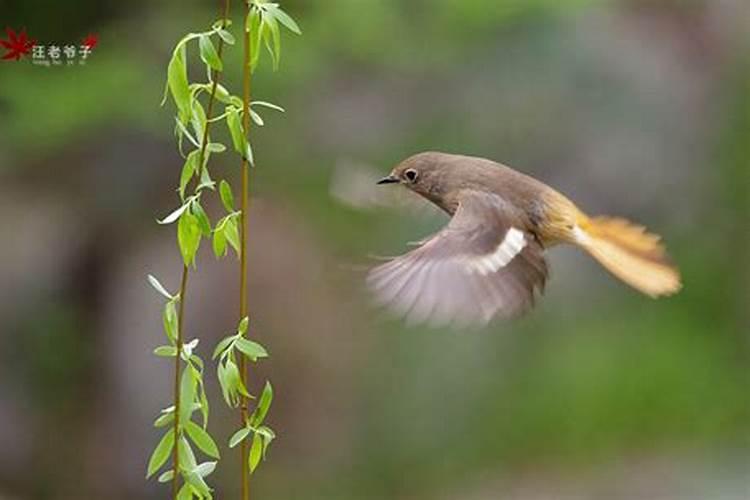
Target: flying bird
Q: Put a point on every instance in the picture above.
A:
(488, 261)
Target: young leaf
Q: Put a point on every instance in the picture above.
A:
(238, 436)
(208, 53)
(251, 349)
(198, 119)
(188, 171)
(188, 237)
(267, 105)
(222, 346)
(205, 468)
(177, 82)
(249, 154)
(235, 129)
(166, 476)
(256, 118)
(164, 419)
(268, 436)
(187, 457)
(263, 405)
(203, 223)
(166, 351)
(170, 320)
(233, 237)
(204, 406)
(284, 18)
(242, 327)
(219, 242)
(161, 453)
(272, 39)
(185, 493)
(216, 147)
(187, 395)
(254, 29)
(256, 451)
(226, 36)
(225, 190)
(202, 439)
(158, 286)
(174, 215)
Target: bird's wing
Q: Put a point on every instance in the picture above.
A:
(483, 264)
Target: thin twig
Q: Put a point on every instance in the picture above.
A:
(215, 75)
(246, 75)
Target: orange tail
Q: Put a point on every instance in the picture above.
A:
(629, 252)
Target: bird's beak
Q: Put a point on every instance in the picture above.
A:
(390, 179)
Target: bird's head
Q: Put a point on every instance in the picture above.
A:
(427, 174)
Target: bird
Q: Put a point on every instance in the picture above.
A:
(489, 261)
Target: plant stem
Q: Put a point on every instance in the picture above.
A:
(177, 358)
(185, 272)
(246, 75)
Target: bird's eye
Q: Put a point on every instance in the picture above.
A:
(411, 175)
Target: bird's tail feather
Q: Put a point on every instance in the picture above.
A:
(629, 252)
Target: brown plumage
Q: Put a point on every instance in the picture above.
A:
(489, 260)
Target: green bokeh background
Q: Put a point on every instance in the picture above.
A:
(631, 107)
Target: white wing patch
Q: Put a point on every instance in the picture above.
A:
(512, 244)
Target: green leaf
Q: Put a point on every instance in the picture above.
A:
(227, 198)
(203, 223)
(235, 382)
(188, 171)
(256, 452)
(284, 18)
(238, 436)
(166, 351)
(254, 29)
(242, 327)
(177, 82)
(251, 349)
(187, 457)
(219, 242)
(185, 493)
(197, 483)
(158, 286)
(164, 419)
(233, 237)
(188, 237)
(221, 24)
(208, 53)
(170, 320)
(272, 39)
(268, 436)
(222, 94)
(226, 36)
(205, 468)
(198, 119)
(222, 346)
(174, 215)
(267, 105)
(166, 476)
(256, 118)
(204, 405)
(263, 405)
(187, 395)
(216, 147)
(202, 439)
(235, 129)
(249, 154)
(161, 453)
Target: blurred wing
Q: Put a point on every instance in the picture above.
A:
(481, 265)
